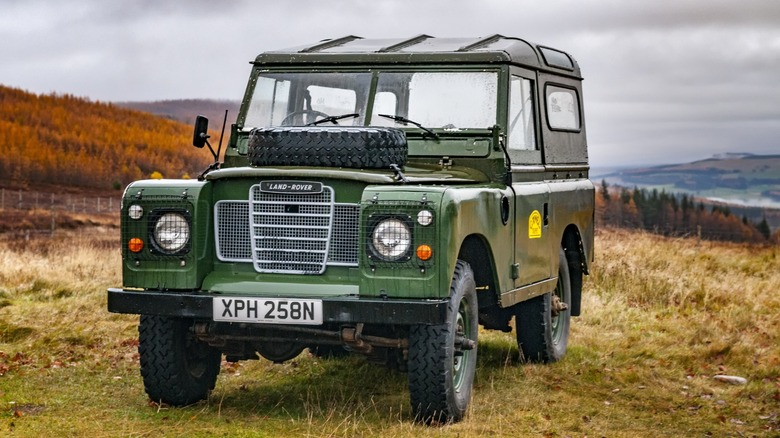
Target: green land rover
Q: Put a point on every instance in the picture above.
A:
(377, 196)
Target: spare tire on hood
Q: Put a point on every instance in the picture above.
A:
(328, 146)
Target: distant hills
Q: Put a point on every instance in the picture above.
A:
(740, 178)
(185, 110)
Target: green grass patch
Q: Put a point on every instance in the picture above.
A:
(660, 318)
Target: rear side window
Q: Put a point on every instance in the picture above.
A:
(563, 108)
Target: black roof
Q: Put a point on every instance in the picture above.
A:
(426, 49)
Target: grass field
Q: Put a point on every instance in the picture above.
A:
(660, 318)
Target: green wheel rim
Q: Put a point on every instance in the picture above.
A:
(557, 321)
(461, 357)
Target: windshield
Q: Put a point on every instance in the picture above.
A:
(299, 99)
(444, 100)
(449, 100)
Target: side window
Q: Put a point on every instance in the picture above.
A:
(521, 132)
(563, 108)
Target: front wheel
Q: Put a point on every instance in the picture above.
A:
(443, 358)
(177, 368)
(542, 323)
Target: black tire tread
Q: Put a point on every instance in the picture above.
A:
(534, 326)
(166, 380)
(429, 371)
(347, 146)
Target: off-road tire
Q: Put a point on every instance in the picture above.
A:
(440, 376)
(541, 337)
(328, 146)
(177, 369)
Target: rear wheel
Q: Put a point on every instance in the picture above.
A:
(176, 367)
(542, 323)
(443, 358)
(279, 352)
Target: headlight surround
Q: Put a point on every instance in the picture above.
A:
(391, 239)
(171, 232)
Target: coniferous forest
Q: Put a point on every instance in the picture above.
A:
(71, 141)
(676, 215)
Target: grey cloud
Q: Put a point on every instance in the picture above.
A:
(663, 79)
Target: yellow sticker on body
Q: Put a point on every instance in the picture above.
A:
(535, 225)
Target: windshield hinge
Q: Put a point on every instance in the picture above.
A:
(445, 163)
(399, 175)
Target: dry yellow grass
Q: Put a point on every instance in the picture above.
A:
(660, 318)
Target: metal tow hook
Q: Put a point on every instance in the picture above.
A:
(558, 306)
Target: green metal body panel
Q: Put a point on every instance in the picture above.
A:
(149, 268)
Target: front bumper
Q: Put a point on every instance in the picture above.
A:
(340, 310)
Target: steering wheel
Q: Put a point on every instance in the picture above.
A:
(308, 113)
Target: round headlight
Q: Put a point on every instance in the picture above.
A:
(391, 239)
(135, 211)
(172, 232)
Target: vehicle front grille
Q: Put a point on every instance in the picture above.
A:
(288, 233)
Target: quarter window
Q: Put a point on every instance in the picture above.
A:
(522, 135)
(563, 108)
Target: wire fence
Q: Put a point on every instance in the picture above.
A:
(34, 200)
(28, 214)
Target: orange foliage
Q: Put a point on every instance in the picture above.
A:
(666, 214)
(72, 141)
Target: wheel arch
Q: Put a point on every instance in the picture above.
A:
(475, 250)
(577, 259)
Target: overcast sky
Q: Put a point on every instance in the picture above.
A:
(665, 81)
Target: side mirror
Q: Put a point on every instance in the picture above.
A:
(200, 135)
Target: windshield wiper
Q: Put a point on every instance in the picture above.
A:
(406, 121)
(332, 119)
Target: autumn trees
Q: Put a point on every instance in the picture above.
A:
(72, 141)
(674, 215)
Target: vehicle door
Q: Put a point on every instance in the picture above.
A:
(532, 193)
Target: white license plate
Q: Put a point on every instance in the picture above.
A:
(268, 310)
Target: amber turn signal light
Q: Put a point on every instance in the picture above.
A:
(424, 252)
(135, 245)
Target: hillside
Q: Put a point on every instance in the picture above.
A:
(70, 141)
(746, 179)
(185, 110)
